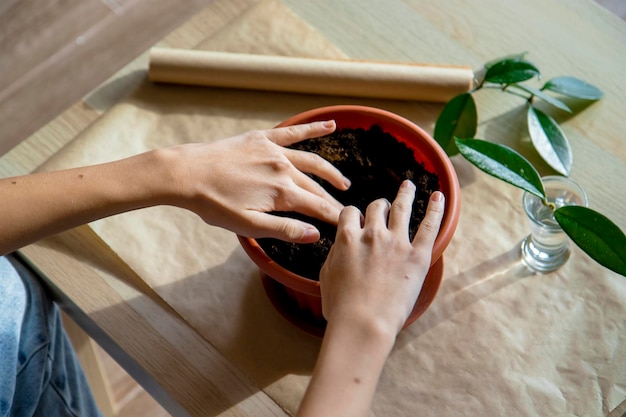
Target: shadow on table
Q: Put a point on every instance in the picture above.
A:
(228, 308)
(459, 292)
(253, 334)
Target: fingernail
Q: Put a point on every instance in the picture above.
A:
(329, 124)
(437, 196)
(408, 184)
(310, 233)
(346, 183)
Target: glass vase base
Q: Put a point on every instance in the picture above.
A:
(542, 261)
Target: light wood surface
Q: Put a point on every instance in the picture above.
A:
(44, 97)
(56, 52)
(93, 367)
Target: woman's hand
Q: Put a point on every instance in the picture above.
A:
(373, 271)
(234, 183)
(370, 282)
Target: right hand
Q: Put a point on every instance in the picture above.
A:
(235, 183)
(373, 271)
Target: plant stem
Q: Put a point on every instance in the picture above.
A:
(547, 203)
(507, 89)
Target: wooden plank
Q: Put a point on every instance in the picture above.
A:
(32, 33)
(54, 82)
(619, 411)
(92, 366)
(32, 152)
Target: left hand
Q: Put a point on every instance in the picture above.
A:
(374, 273)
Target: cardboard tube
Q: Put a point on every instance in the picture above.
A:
(399, 81)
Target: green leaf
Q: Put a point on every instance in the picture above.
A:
(550, 141)
(458, 118)
(545, 97)
(573, 87)
(516, 57)
(510, 71)
(595, 234)
(502, 162)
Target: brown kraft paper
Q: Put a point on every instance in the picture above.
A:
(309, 75)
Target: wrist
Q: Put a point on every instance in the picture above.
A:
(128, 184)
(353, 354)
(382, 325)
(161, 177)
(366, 330)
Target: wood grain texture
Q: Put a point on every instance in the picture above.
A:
(57, 52)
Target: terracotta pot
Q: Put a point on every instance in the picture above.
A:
(298, 298)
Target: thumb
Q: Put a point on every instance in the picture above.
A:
(284, 228)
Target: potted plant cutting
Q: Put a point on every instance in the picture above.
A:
(382, 149)
(552, 209)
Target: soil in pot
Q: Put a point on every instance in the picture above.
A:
(376, 163)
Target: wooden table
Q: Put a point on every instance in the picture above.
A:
(149, 339)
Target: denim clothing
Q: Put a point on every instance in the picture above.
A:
(39, 372)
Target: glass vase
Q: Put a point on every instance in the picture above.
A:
(547, 247)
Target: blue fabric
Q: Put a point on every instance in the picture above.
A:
(39, 372)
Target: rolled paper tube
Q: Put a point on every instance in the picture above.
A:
(399, 81)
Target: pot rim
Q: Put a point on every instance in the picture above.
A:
(453, 196)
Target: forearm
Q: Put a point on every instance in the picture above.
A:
(347, 371)
(235, 183)
(39, 205)
(369, 283)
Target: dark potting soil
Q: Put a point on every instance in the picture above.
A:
(376, 164)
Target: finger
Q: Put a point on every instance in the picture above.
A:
(314, 164)
(350, 216)
(401, 208)
(288, 135)
(428, 229)
(350, 223)
(283, 228)
(309, 184)
(376, 213)
(326, 209)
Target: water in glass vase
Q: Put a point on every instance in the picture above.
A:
(547, 247)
